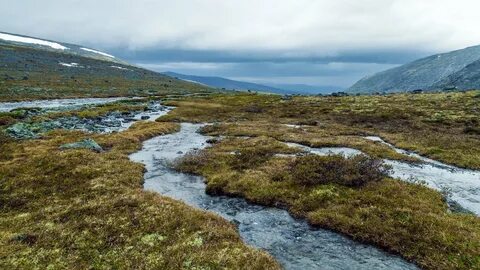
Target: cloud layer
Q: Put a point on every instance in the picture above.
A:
(273, 30)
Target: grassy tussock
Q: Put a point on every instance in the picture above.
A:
(408, 219)
(77, 209)
(357, 171)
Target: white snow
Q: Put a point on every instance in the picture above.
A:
(32, 41)
(117, 67)
(94, 51)
(70, 65)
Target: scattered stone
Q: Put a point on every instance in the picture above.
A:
(235, 222)
(179, 152)
(212, 141)
(21, 130)
(28, 239)
(113, 121)
(84, 144)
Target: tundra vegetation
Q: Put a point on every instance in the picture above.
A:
(76, 208)
(442, 126)
(28, 73)
(353, 196)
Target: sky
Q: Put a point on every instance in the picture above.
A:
(329, 43)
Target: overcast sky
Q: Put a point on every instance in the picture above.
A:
(318, 42)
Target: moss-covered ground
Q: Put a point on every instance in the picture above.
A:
(78, 209)
(351, 196)
(408, 219)
(81, 209)
(443, 126)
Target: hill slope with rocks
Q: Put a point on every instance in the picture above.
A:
(33, 68)
(436, 72)
(465, 79)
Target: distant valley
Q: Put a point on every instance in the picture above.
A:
(227, 84)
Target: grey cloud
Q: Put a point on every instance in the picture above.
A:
(300, 27)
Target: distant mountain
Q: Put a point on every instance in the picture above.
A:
(38, 68)
(219, 82)
(435, 72)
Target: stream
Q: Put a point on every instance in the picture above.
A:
(292, 242)
(114, 121)
(460, 186)
(57, 103)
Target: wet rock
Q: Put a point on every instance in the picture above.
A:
(113, 121)
(212, 141)
(231, 212)
(145, 117)
(21, 130)
(235, 222)
(83, 144)
(27, 239)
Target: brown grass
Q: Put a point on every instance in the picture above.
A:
(77, 209)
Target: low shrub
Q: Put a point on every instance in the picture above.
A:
(192, 161)
(471, 130)
(355, 171)
(248, 158)
(254, 109)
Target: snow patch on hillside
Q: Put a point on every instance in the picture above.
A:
(70, 65)
(117, 67)
(32, 41)
(97, 52)
(192, 81)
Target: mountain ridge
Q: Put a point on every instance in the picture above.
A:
(229, 84)
(426, 73)
(48, 71)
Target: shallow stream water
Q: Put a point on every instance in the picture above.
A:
(111, 122)
(460, 186)
(57, 103)
(292, 242)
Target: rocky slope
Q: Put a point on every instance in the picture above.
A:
(466, 78)
(436, 72)
(36, 69)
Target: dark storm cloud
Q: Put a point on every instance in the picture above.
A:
(171, 55)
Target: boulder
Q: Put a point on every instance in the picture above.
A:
(83, 144)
